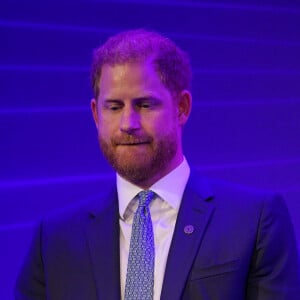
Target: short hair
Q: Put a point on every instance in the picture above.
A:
(171, 63)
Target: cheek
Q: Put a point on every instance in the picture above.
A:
(167, 121)
(106, 124)
(160, 127)
(104, 129)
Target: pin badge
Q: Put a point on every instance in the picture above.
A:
(189, 229)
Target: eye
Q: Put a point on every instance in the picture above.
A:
(113, 105)
(145, 105)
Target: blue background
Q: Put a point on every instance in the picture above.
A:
(245, 124)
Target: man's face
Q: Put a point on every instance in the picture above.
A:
(138, 121)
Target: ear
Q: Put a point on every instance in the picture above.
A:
(184, 106)
(94, 111)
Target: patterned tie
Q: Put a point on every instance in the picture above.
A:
(140, 269)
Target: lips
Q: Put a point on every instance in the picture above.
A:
(132, 144)
(131, 141)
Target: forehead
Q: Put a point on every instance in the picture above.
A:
(136, 69)
(133, 77)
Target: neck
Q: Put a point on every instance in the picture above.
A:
(147, 183)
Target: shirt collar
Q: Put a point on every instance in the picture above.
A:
(170, 188)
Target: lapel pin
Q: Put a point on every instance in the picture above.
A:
(189, 229)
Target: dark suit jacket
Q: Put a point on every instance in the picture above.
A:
(242, 247)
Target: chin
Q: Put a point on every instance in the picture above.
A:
(139, 164)
(135, 173)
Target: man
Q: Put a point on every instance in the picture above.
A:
(199, 240)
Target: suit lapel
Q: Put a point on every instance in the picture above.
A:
(195, 210)
(103, 239)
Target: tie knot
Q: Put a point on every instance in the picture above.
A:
(145, 197)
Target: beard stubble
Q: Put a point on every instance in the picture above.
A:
(140, 169)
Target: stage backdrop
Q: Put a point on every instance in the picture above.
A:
(245, 125)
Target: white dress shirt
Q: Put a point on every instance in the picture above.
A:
(164, 210)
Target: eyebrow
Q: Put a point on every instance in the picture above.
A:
(149, 98)
(112, 100)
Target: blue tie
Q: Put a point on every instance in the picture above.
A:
(140, 269)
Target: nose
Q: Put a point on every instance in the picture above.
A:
(130, 120)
